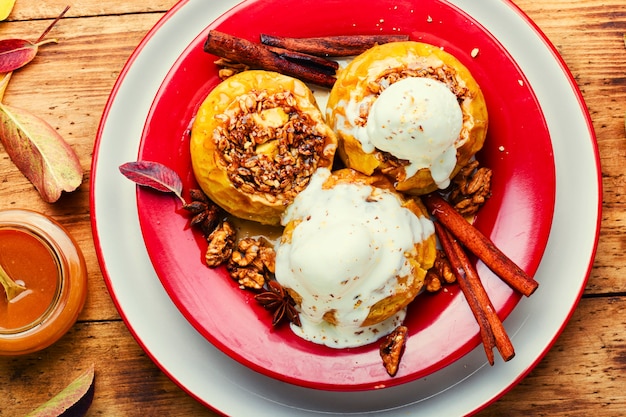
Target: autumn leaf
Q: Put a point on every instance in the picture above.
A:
(6, 6)
(15, 53)
(4, 81)
(39, 152)
(154, 175)
(74, 400)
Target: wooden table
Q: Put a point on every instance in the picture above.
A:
(68, 85)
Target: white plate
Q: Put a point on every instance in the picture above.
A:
(219, 382)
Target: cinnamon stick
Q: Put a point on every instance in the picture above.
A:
(480, 245)
(323, 64)
(261, 57)
(491, 328)
(331, 45)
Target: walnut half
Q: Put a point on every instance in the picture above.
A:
(440, 274)
(221, 244)
(471, 187)
(252, 263)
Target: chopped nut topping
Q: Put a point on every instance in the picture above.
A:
(252, 263)
(392, 348)
(444, 73)
(267, 145)
(470, 188)
(221, 244)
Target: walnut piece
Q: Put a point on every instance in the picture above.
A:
(221, 244)
(392, 348)
(470, 188)
(247, 277)
(440, 273)
(252, 263)
(228, 68)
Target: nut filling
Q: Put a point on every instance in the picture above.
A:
(267, 145)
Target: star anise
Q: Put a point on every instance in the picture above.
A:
(279, 302)
(206, 214)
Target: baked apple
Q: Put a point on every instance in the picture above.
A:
(353, 255)
(410, 111)
(255, 142)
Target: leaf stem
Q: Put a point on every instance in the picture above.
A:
(49, 28)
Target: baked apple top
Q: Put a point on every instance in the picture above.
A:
(410, 111)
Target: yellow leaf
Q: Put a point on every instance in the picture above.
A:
(4, 81)
(5, 8)
(40, 153)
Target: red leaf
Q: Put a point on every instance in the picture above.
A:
(15, 53)
(154, 175)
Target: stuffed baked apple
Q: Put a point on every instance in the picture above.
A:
(410, 111)
(255, 142)
(353, 255)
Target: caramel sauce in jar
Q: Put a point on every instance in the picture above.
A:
(40, 255)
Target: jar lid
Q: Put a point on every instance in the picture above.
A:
(38, 253)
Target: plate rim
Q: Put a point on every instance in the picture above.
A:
(192, 290)
(580, 105)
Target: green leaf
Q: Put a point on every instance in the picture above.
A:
(74, 400)
(39, 152)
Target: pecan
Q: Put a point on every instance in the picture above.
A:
(221, 244)
(470, 188)
(392, 348)
(252, 263)
(440, 273)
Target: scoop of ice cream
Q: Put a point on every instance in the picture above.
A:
(347, 247)
(419, 120)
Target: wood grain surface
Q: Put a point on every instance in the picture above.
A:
(68, 85)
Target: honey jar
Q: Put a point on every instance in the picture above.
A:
(39, 254)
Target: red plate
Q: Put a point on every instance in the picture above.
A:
(442, 329)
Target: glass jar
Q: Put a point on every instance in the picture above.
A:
(39, 254)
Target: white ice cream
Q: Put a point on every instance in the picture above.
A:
(415, 119)
(346, 252)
